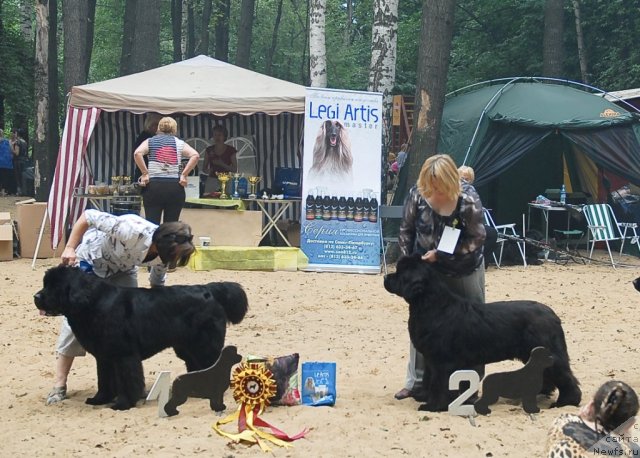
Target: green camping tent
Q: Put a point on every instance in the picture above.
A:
(525, 135)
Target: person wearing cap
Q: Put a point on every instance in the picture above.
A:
(113, 247)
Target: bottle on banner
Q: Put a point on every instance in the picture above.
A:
(358, 211)
(351, 206)
(334, 207)
(563, 195)
(326, 208)
(310, 207)
(373, 209)
(342, 209)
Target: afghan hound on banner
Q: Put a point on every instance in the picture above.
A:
(332, 160)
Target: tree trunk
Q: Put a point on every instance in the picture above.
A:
(436, 32)
(347, 30)
(191, 31)
(274, 39)
(552, 42)
(203, 43)
(317, 47)
(129, 23)
(384, 39)
(245, 30)
(78, 18)
(141, 37)
(46, 142)
(582, 50)
(26, 20)
(222, 30)
(176, 29)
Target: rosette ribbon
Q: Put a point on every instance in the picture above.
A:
(253, 386)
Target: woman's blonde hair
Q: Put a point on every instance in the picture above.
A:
(439, 172)
(168, 125)
(467, 173)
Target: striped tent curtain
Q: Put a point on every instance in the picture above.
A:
(277, 140)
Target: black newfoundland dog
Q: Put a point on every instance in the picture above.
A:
(454, 333)
(121, 327)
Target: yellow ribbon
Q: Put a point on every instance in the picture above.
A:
(252, 385)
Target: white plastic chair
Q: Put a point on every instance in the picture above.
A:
(604, 227)
(503, 230)
(198, 144)
(246, 156)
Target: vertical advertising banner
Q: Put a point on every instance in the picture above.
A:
(341, 180)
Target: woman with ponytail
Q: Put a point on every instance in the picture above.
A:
(604, 426)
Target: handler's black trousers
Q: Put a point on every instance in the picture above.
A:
(163, 195)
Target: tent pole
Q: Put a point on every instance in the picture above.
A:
(35, 254)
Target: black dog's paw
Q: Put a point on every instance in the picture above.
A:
(481, 409)
(636, 284)
(99, 399)
(122, 406)
(427, 407)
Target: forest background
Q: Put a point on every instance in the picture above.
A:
(439, 46)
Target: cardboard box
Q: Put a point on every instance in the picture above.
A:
(29, 215)
(6, 237)
(225, 227)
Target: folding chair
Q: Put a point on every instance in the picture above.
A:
(388, 213)
(604, 227)
(503, 230)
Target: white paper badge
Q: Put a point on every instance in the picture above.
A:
(449, 239)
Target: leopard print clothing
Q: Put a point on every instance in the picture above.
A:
(570, 437)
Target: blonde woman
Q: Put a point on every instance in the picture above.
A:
(467, 173)
(163, 179)
(440, 200)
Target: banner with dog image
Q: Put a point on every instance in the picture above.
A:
(341, 181)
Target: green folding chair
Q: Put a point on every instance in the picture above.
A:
(604, 227)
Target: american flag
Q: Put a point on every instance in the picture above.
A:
(72, 169)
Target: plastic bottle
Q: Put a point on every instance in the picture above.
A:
(311, 207)
(563, 195)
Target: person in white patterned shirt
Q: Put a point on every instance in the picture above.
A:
(112, 247)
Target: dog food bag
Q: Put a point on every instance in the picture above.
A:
(285, 373)
(318, 383)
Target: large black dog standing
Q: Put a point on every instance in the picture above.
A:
(454, 333)
(121, 327)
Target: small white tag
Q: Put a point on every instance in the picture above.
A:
(449, 239)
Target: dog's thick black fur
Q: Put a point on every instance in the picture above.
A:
(454, 333)
(121, 327)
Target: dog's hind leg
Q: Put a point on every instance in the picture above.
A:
(569, 393)
(130, 382)
(106, 384)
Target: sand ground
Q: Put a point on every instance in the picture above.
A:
(349, 319)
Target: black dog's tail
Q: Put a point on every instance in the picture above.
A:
(232, 298)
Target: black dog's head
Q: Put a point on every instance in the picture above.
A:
(636, 284)
(411, 278)
(65, 290)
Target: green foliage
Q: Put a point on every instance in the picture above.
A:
(107, 40)
(16, 65)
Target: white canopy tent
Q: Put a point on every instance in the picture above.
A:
(104, 118)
